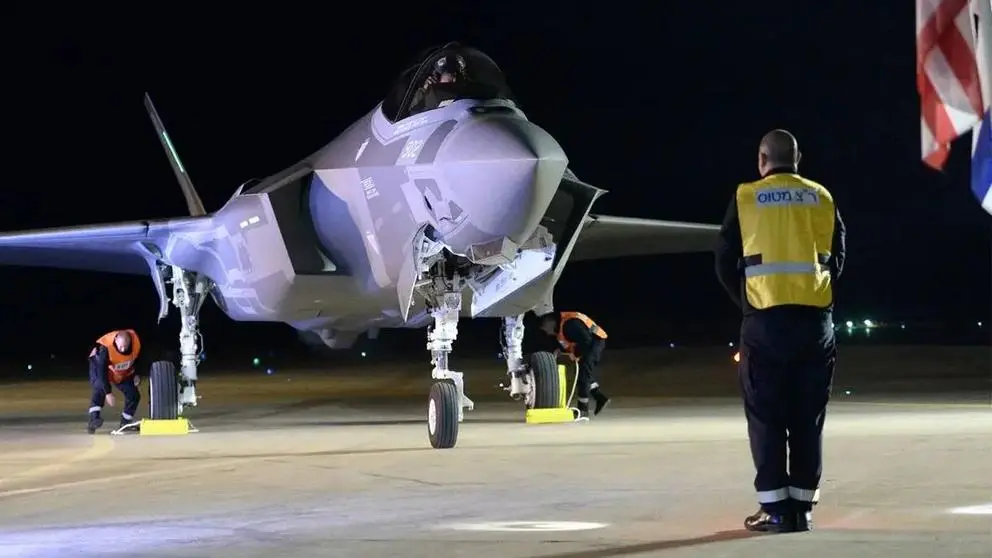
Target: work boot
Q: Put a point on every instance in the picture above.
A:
(804, 521)
(601, 400)
(95, 422)
(764, 522)
(582, 411)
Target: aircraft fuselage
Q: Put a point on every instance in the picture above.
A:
(329, 242)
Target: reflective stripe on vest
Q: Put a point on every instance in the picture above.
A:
(753, 266)
(787, 225)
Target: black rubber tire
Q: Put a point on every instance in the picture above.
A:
(163, 391)
(442, 415)
(547, 388)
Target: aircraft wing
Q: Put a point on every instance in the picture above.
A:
(607, 236)
(114, 247)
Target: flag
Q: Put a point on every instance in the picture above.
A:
(981, 150)
(954, 80)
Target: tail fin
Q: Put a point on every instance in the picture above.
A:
(189, 192)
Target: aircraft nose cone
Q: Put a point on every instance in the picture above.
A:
(504, 172)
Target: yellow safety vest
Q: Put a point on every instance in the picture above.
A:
(787, 228)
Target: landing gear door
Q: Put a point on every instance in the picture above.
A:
(582, 197)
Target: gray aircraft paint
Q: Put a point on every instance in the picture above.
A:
(327, 245)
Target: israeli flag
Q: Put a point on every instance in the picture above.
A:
(981, 149)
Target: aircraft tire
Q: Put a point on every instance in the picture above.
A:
(163, 391)
(544, 366)
(442, 414)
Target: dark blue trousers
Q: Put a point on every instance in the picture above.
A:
(786, 375)
(101, 387)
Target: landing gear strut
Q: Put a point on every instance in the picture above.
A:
(512, 340)
(189, 292)
(171, 391)
(447, 404)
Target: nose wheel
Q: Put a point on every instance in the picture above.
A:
(443, 408)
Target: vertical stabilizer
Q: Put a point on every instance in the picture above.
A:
(189, 192)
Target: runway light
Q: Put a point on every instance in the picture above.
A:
(671, 345)
(256, 361)
(737, 356)
(847, 392)
(869, 323)
(269, 371)
(363, 354)
(731, 344)
(979, 324)
(902, 326)
(30, 366)
(849, 324)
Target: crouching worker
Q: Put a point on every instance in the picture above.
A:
(583, 341)
(112, 363)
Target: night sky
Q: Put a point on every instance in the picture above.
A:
(663, 106)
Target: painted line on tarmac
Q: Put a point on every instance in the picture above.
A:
(526, 526)
(115, 478)
(100, 447)
(983, 509)
(926, 405)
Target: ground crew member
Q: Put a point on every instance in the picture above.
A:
(583, 341)
(780, 250)
(112, 363)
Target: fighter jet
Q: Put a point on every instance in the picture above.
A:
(443, 202)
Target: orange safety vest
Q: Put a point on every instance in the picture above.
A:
(119, 367)
(569, 346)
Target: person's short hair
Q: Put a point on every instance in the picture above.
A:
(780, 146)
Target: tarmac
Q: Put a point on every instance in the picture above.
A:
(310, 463)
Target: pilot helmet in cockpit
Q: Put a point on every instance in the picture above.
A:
(449, 68)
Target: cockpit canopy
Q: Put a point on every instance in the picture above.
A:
(441, 75)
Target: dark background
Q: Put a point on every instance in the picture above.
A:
(662, 104)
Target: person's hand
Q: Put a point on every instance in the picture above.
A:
(109, 400)
(137, 380)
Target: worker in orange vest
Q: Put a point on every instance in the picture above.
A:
(112, 363)
(582, 340)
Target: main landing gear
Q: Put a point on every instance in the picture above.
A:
(170, 391)
(534, 380)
